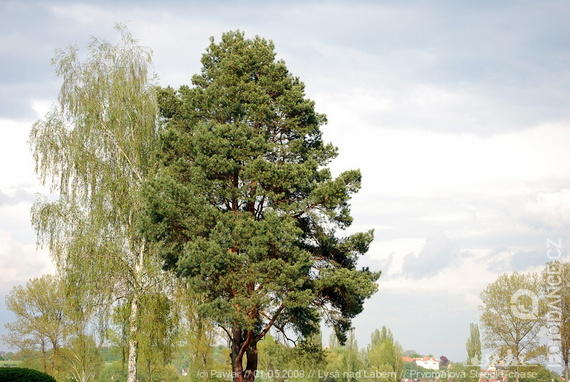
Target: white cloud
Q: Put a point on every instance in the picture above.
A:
(20, 262)
(83, 14)
(41, 106)
(456, 178)
(430, 314)
(15, 155)
(441, 263)
(551, 209)
(438, 253)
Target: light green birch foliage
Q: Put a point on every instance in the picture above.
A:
(83, 360)
(198, 334)
(94, 149)
(158, 332)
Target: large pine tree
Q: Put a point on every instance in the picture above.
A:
(245, 208)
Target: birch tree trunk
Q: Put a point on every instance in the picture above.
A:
(133, 341)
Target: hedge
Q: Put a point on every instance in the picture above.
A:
(20, 374)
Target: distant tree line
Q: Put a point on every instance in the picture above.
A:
(50, 343)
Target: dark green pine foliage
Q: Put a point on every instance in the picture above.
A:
(245, 208)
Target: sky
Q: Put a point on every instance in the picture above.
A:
(456, 112)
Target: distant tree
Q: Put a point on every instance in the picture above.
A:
(274, 357)
(40, 324)
(308, 355)
(460, 372)
(245, 209)
(280, 362)
(95, 150)
(413, 371)
(158, 332)
(6, 356)
(334, 359)
(198, 334)
(385, 354)
(412, 354)
(535, 373)
(83, 360)
(443, 362)
(379, 336)
(473, 345)
(512, 315)
(113, 371)
(352, 361)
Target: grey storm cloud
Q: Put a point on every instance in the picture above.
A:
(20, 196)
(438, 253)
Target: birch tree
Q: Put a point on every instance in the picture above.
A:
(198, 334)
(94, 149)
(159, 329)
(83, 360)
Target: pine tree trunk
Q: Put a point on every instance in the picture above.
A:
(241, 345)
(251, 366)
(236, 355)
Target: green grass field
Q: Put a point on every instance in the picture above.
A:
(10, 363)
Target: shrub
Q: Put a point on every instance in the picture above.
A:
(20, 374)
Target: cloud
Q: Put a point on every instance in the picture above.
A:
(438, 253)
(19, 196)
(28, 38)
(82, 14)
(549, 210)
(445, 301)
(407, 72)
(20, 262)
(420, 319)
(15, 155)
